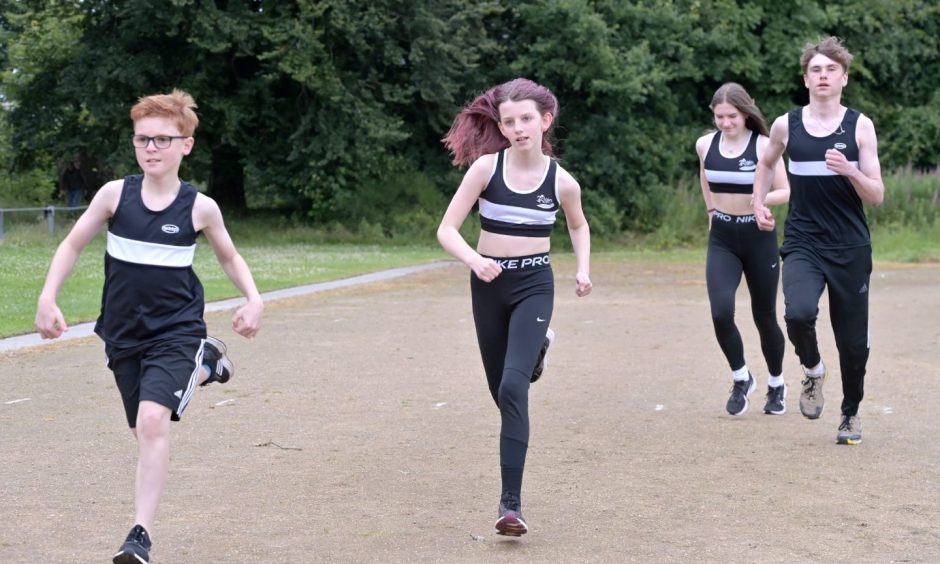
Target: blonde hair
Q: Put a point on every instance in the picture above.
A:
(830, 47)
(177, 106)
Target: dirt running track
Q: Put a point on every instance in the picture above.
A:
(359, 429)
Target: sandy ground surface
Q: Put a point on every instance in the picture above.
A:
(358, 428)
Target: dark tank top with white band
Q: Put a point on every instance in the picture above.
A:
(151, 292)
(825, 210)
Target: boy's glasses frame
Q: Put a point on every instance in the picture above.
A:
(159, 141)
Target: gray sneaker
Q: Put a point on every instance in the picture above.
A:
(850, 430)
(812, 401)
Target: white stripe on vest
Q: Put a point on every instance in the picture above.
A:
(813, 168)
(154, 254)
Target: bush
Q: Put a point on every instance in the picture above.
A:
(602, 212)
(911, 200)
(30, 189)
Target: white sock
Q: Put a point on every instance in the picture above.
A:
(740, 375)
(775, 381)
(815, 371)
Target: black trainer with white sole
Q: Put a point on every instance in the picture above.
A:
(136, 549)
(214, 358)
(542, 362)
(776, 400)
(737, 402)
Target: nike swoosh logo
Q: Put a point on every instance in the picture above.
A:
(540, 320)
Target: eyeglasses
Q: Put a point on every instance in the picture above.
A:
(159, 141)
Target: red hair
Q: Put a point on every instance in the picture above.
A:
(475, 131)
(177, 106)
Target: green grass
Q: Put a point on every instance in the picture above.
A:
(25, 258)
(283, 255)
(906, 244)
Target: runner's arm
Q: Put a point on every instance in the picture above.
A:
(866, 179)
(208, 218)
(448, 232)
(49, 319)
(780, 187)
(569, 191)
(766, 166)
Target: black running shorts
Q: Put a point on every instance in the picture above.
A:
(165, 372)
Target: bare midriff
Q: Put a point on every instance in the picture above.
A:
(732, 204)
(496, 245)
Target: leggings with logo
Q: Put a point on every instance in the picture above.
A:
(736, 246)
(512, 314)
(846, 273)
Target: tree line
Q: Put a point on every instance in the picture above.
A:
(334, 109)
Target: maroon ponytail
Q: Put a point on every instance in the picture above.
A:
(475, 131)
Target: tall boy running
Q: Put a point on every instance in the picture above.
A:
(834, 170)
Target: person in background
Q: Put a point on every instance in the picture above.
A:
(73, 184)
(727, 161)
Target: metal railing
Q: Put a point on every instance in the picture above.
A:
(48, 213)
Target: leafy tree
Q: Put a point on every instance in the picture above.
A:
(334, 109)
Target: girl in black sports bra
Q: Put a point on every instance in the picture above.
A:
(519, 187)
(728, 160)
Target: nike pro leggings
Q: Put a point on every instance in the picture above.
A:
(512, 314)
(736, 246)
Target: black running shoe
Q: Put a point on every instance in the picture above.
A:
(737, 403)
(220, 365)
(543, 355)
(776, 400)
(136, 549)
(510, 522)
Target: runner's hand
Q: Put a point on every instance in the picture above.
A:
(765, 219)
(49, 321)
(836, 162)
(247, 319)
(583, 284)
(486, 269)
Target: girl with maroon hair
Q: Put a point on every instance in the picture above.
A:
(504, 135)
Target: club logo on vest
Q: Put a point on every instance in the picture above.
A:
(747, 165)
(840, 146)
(170, 228)
(544, 202)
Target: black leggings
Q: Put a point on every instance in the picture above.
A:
(512, 314)
(736, 246)
(846, 273)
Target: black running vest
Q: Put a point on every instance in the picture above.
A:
(525, 214)
(150, 290)
(733, 175)
(825, 210)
